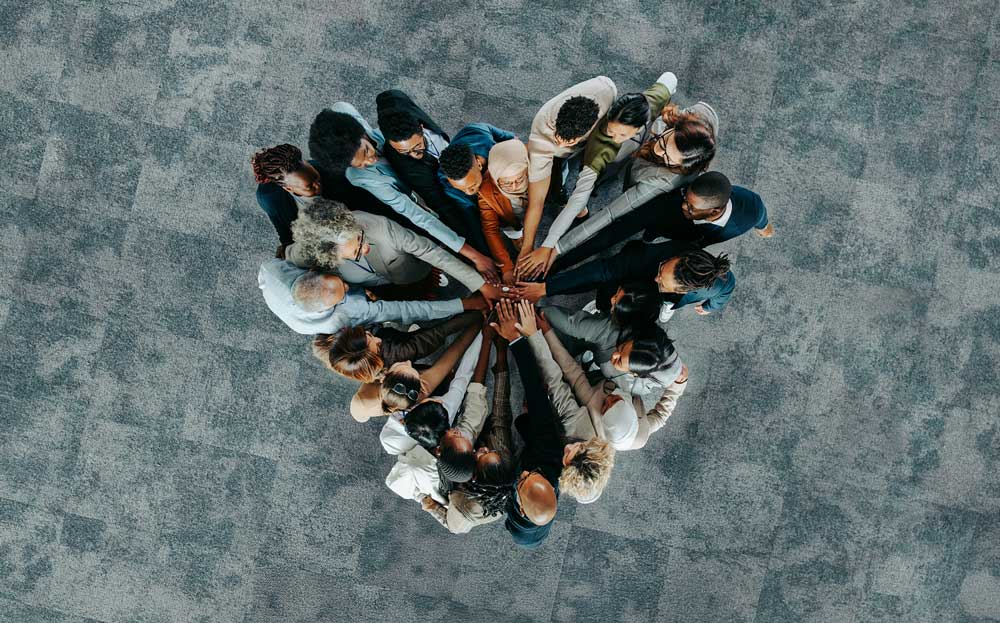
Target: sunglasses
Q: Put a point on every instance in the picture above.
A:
(400, 389)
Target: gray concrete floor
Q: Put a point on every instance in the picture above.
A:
(170, 452)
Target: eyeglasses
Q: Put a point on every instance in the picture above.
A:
(361, 246)
(417, 149)
(400, 389)
(661, 140)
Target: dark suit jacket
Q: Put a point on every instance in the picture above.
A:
(640, 262)
(668, 220)
(420, 175)
(544, 440)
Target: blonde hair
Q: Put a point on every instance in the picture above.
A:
(394, 401)
(588, 471)
(347, 354)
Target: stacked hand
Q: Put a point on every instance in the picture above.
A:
(506, 320)
(530, 290)
(534, 264)
(486, 267)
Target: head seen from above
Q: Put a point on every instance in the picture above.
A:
(316, 292)
(626, 117)
(329, 233)
(694, 270)
(354, 353)
(706, 197)
(575, 119)
(586, 469)
(686, 146)
(404, 133)
(649, 351)
(284, 166)
(400, 387)
(338, 141)
(463, 168)
(508, 166)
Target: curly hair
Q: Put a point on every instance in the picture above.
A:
(631, 109)
(347, 354)
(334, 138)
(576, 117)
(321, 228)
(588, 471)
(398, 125)
(699, 269)
(456, 161)
(694, 137)
(272, 164)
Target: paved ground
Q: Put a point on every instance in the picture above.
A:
(169, 452)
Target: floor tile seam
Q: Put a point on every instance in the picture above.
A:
(59, 611)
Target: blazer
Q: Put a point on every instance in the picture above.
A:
(638, 261)
(414, 345)
(480, 137)
(276, 278)
(747, 212)
(420, 175)
(495, 213)
(397, 255)
(381, 180)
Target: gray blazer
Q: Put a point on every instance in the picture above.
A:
(397, 255)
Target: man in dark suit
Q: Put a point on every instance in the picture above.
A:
(709, 211)
(414, 143)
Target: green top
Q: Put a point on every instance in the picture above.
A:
(601, 150)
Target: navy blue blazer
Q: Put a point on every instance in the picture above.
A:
(480, 137)
(641, 262)
(667, 219)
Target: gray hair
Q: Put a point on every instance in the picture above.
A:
(309, 290)
(321, 227)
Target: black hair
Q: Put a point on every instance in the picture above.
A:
(652, 350)
(699, 269)
(272, 164)
(493, 487)
(426, 423)
(636, 309)
(398, 125)
(713, 187)
(456, 161)
(575, 117)
(631, 109)
(334, 138)
(454, 465)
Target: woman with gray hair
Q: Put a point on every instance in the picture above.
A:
(372, 251)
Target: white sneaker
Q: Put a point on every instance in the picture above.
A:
(587, 357)
(591, 307)
(442, 281)
(666, 311)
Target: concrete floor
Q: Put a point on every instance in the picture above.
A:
(170, 452)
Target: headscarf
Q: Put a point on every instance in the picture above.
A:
(509, 159)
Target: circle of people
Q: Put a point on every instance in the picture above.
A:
(394, 239)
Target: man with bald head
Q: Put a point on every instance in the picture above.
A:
(312, 302)
(533, 506)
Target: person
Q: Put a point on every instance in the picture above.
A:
(683, 273)
(462, 167)
(681, 147)
(558, 131)
(369, 250)
(631, 429)
(589, 461)
(484, 498)
(311, 302)
(364, 355)
(503, 196)
(414, 143)
(341, 139)
(286, 182)
(435, 447)
(618, 135)
(714, 210)
(404, 384)
(630, 310)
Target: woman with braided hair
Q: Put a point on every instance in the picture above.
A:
(286, 182)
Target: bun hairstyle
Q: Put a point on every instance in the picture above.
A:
(272, 164)
(493, 486)
(631, 109)
(347, 354)
(652, 350)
